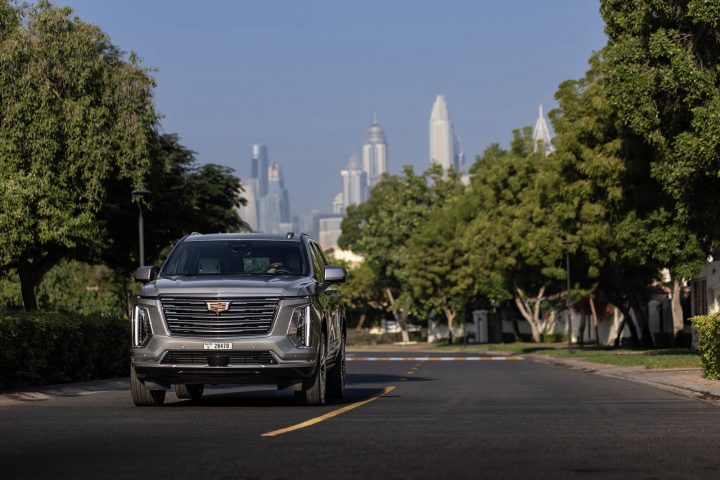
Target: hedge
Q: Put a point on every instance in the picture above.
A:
(52, 347)
(708, 330)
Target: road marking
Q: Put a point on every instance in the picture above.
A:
(424, 359)
(334, 413)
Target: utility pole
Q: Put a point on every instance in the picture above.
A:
(138, 196)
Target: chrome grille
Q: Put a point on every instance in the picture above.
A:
(203, 357)
(245, 316)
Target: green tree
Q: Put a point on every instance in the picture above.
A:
(661, 76)
(75, 114)
(514, 244)
(184, 198)
(434, 274)
(379, 228)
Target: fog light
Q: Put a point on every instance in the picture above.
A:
(299, 328)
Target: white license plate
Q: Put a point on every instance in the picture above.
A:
(217, 346)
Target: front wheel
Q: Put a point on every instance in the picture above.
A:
(336, 375)
(143, 396)
(191, 391)
(313, 387)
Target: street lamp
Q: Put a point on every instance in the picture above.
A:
(568, 303)
(138, 196)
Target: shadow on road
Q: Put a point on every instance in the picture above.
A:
(355, 378)
(268, 398)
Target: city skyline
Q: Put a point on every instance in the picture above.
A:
(304, 79)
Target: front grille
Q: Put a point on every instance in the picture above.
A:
(245, 316)
(229, 358)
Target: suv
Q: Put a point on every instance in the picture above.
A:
(239, 308)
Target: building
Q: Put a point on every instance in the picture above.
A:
(329, 231)
(374, 153)
(355, 184)
(260, 167)
(268, 201)
(249, 211)
(444, 145)
(541, 134)
(338, 205)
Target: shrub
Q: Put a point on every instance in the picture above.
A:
(708, 329)
(46, 348)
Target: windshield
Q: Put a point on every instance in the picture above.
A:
(236, 257)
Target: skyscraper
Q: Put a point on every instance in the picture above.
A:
(268, 201)
(443, 141)
(374, 153)
(541, 134)
(275, 206)
(260, 167)
(355, 185)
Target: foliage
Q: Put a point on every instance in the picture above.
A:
(434, 274)
(708, 330)
(379, 228)
(45, 348)
(184, 198)
(75, 114)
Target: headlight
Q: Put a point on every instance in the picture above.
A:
(141, 329)
(299, 328)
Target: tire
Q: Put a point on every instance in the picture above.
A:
(336, 375)
(314, 387)
(143, 396)
(191, 391)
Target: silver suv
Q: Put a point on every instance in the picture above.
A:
(239, 309)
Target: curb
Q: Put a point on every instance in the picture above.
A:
(643, 376)
(38, 394)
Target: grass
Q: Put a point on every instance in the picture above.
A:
(651, 359)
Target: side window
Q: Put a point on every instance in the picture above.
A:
(318, 263)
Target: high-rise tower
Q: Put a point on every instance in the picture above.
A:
(442, 136)
(260, 167)
(355, 184)
(374, 153)
(541, 134)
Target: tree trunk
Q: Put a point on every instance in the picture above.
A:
(31, 274)
(627, 320)
(594, 320)
(677, 312)
(532, 315)
(27, 287)
(641, 315)
(450, 315)
(581, 330)
(400, 319)
(359, 326)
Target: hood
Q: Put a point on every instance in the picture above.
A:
(231, 285)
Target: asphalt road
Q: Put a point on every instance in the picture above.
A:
(443, 419)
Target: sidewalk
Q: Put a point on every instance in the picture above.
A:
(682, 381)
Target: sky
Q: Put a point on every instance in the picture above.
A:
(305, 77)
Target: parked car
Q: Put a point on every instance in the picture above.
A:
(240, 309)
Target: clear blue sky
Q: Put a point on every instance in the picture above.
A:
(305, 77)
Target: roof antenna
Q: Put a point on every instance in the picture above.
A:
(375, 117)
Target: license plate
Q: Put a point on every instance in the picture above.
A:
(217, 346)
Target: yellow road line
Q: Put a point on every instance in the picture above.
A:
(334, 413)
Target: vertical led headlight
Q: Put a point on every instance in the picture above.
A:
(299, 328)
(141, 329)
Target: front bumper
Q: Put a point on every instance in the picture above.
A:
(154, 362)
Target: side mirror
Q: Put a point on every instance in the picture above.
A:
(335, 274)
(145, 274)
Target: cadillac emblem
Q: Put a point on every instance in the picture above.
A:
(217, 307)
